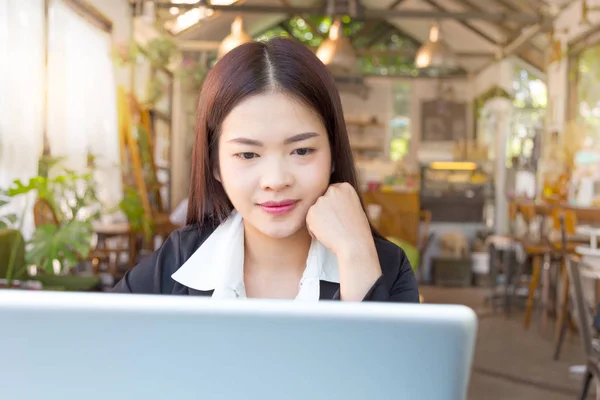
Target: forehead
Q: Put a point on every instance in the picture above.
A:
(270, 115)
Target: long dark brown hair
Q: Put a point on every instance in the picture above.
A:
(253, 68)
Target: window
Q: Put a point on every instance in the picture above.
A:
(588, 93)
(530, 99)
(78, 111)
(82, 111)
(400, 123)
(21, 100)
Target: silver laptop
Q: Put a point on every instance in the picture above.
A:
(67, 346)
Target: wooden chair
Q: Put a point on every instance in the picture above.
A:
(566, 222)
(536, 248)
(503, 260)
(573, 266)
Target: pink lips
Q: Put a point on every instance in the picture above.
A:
(278, 207)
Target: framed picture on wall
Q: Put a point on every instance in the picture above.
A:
(443, 121)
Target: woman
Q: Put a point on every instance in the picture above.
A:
(273, 206)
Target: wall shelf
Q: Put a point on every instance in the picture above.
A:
(364, 124)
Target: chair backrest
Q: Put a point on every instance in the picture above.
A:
(581, 308)
(568, 216)
(528, 212)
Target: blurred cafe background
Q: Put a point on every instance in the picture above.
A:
(475, 126)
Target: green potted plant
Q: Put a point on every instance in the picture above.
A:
(132, 208)
(57, 247)
(12, 245)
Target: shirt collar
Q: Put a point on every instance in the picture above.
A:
(218, 264)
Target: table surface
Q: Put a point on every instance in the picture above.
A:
(111, 228)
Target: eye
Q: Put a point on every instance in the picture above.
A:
(246, 155)
(304, 151)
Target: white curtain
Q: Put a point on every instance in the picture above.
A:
(21, 95)
(82, 106)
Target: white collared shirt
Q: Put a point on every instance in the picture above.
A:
(218, 264)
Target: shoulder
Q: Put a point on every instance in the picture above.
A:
(390, 255)
(397, 272)
(189, 238)
(153, 273)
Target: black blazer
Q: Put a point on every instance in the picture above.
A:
(153, 274)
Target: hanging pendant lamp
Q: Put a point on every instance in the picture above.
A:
(336, 51)
(235, 38)
(435, 55)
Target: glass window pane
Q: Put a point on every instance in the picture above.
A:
(400, 123)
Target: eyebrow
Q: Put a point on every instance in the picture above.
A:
(293, 139)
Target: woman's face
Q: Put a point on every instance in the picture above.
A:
(274, 162)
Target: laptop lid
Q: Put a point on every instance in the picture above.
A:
(120, 346)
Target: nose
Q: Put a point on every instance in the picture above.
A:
(276, 175)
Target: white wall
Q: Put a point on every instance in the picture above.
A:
(380, 105)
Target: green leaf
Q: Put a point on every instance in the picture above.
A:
(8, 221)
(69, 243)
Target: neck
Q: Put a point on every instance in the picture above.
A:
(270, 255)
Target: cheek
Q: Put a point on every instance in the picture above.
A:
(314, 177)
(237, 179)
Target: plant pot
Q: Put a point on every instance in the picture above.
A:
(9, 238)
(20, 285)
(70, 283)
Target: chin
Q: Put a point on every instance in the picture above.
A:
(279, 227)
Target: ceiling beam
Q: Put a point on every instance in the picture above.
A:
(533, 59)
(315, 30)
(515, 48)
(471, 5)
(525, 56)
(412, 53)
(510, 32)
(368, 13)
(507, 5)
(467, 25)
(204, 45)
(520, 41)
(421, 76)
(369, 25)
(387, 29)
(197, 45)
